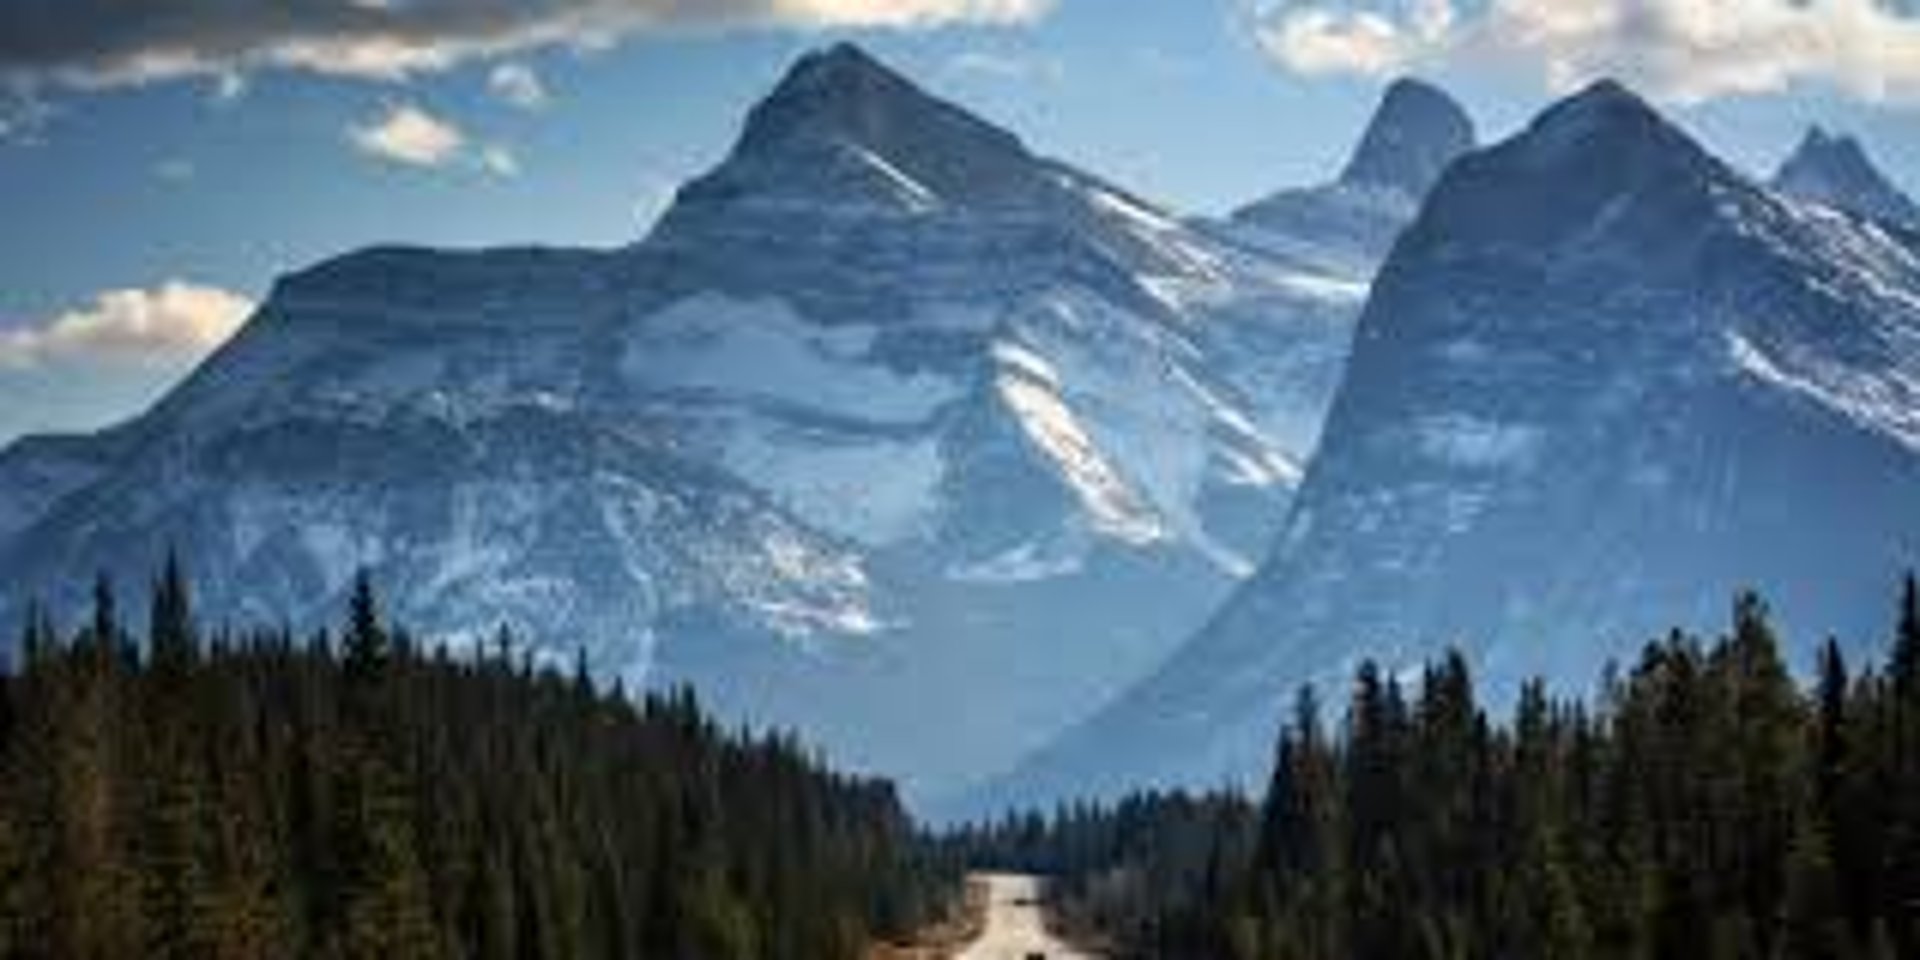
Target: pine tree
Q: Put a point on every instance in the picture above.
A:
(1904, 670)
(37, 639)
(104, 636)
(1830, 746)
(366, 643)
(170, 631)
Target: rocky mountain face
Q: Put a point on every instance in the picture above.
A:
(1836, 171)
(891, 431)
(1603, 382)
(1349, 224)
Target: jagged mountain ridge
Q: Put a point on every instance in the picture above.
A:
(884, 405)
(1835, 170)
(1603, 382)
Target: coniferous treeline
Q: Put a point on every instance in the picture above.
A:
(257, 797)
(1704, 806)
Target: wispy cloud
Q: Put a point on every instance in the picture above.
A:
(177, 322)
(500, 160)
(407, 134)
(517, 84)
(1005, 66)
(23, 113)
(95, 43)
(175, 170)
(1680, 50)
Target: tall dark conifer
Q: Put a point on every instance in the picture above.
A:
(170, 629)
(366, 644)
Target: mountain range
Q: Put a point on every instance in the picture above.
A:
(973, 466)
(885, 411)
(1603, 382)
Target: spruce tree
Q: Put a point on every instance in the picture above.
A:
(170, 630)
(366, 643)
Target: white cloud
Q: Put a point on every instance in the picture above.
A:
(94, 43)
(499, 160)
(519, 85)
(1680, 50)
(173, 324)
(1321, 41)
(409, 135)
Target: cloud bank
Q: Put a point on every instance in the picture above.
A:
(1685, 51)
(97, 43)
(173, 324)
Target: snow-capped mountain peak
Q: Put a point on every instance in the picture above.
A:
(1417, 130)
(1602, 383)
(844, 94)
(842, 129)
(884, 403)
(1836, 171)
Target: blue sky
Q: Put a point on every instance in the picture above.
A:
(153, 185)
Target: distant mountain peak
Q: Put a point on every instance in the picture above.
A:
(1834, 169)
(1415, 133)
(844, 91)
(844, 95)
(842, 130)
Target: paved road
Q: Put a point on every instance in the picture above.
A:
(1015, 928)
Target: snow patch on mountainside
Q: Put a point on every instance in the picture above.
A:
(1025, 563)
(874, 489)
(761, 350)
(1888, 402)
(1056, 431)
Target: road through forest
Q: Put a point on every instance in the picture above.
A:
(1015, 927)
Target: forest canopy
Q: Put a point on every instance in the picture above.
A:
(166, 793)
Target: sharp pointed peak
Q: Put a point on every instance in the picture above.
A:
(1820, 145)
(841, 62)
(1835, 169)
(1415, 132)
(843, 129)
(846, 94)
